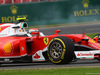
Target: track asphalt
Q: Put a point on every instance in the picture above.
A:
(73, 29)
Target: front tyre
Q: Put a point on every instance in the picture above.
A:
(60, 50)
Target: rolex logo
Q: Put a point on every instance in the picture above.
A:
(85, 3)
(14, 9)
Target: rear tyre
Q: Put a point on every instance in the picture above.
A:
(97, 36)
(60, 50)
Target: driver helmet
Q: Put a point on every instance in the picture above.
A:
(33, 30)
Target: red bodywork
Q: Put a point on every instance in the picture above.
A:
(12, 46)
(16, 44)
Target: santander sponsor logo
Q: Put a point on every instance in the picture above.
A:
(85, 54)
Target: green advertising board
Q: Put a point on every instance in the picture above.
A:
(44, 13)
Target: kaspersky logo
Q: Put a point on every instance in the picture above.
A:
(14, 9)
(85, 3)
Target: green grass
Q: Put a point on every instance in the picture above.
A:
(62, 71)
(92, 34)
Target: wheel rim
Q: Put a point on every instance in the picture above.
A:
(56, 50)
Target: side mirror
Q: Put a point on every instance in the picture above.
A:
(57, 31)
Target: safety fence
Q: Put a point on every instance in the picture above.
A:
(24, 1)
(44, 13)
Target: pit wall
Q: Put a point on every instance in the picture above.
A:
(45, 13)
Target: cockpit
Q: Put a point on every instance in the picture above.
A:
(17, 29)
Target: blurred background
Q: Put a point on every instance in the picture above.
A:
(50, 12)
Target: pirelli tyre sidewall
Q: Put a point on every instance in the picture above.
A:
(65, 50)
(97, 36)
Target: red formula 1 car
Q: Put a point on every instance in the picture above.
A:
(18, 45)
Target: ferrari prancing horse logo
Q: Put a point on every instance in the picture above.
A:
(46, 41)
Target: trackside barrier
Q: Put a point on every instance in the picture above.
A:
(69, 11)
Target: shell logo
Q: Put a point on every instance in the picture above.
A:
(7, 48)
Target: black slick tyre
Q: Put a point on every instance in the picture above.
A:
(60, 50)
(97, 36)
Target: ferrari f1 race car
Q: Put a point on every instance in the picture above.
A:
(19, 45)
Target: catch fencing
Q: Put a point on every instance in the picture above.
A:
(45, 13)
